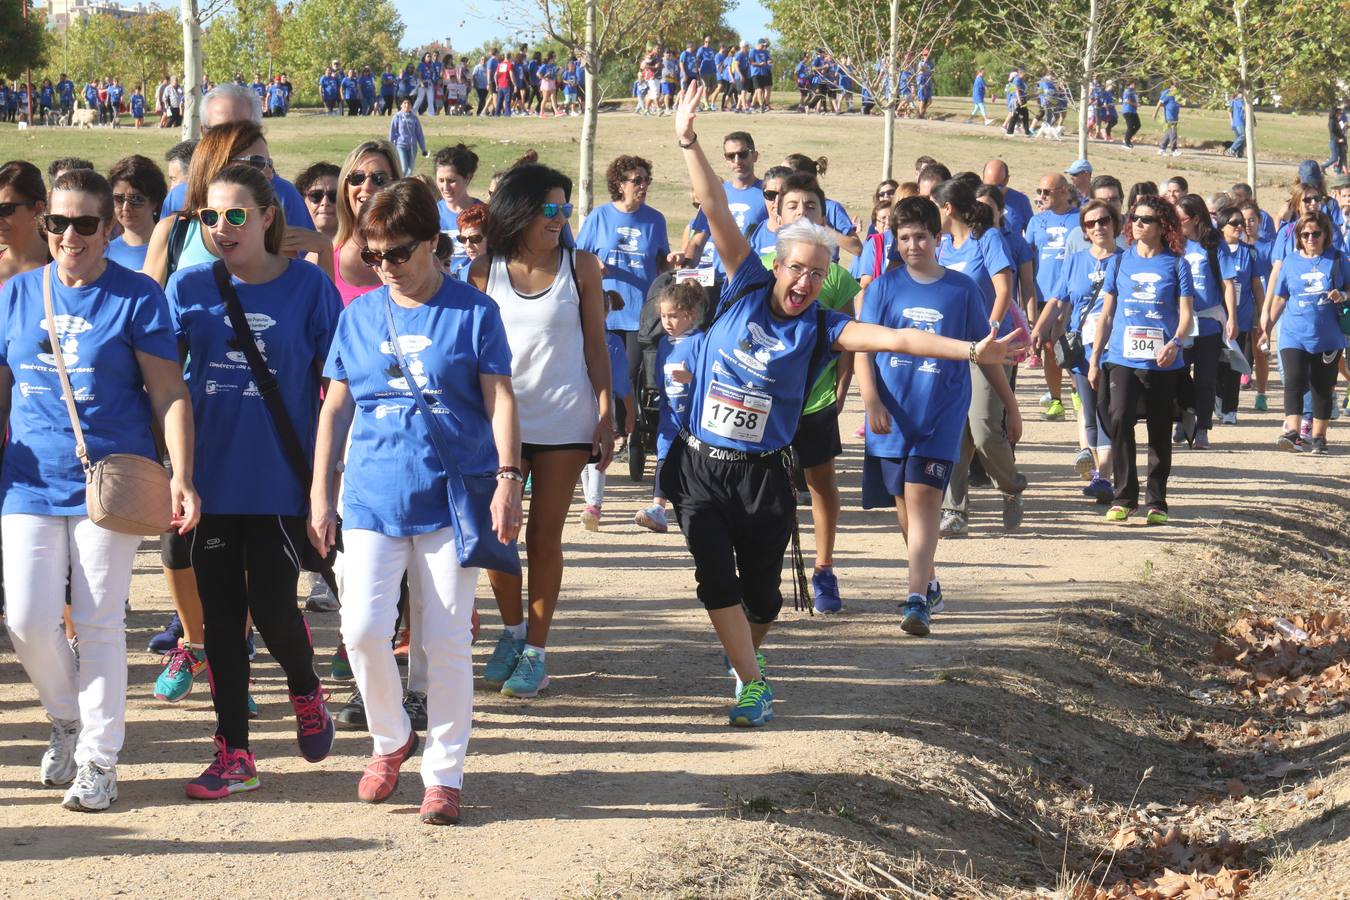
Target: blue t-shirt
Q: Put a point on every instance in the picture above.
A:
(241, 465)
(978, 89)
(743, 64)
(1048, 232)
(292, 204)
(1017, 210)
(866, 263)
(1237, 114)
(1081, 285)
(928, 399)
(67, 91)
(707, 61)
(751, 373)
(450, 227)
(1148, 294)
(328, 88)
(1308, 321)
(100, 327)
(759, 62)
(674, 353)
(1020, 252)
(621, 384)
(1242, 260)
(1208, 290)
(388, 84)
(1171, 108)
(138, 106)
(119, 251)
(763, 240)
(632, 247)
(395, 483)
(747, 207)
(1129, 101)
(276, 97)
(981, 258)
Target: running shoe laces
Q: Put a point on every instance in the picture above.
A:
(227, 762)
(178, 659)
(310, 711)
(752, 693)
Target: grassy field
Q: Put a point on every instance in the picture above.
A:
(852, 143)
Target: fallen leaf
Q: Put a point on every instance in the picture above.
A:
(1235, 787)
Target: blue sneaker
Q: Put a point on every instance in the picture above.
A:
(253, 711)
(252, 648)
(503, 660)
(181, 667)
(754, 705)
(935, 602)
(759, 662)
(1099, 489)
(314, 729)
(915, 619)
(528, 679)
(826, 587)
(339, 667)
(167, 639)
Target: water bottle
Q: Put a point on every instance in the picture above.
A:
(1290, 630)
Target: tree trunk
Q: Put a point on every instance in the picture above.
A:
(1089, 59)
(888, 141)
(192, 70)
(586, 176)
(1249, 123)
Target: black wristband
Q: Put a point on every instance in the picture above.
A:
(684, 146)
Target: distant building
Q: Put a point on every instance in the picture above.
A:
(61, 13)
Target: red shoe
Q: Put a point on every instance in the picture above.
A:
(380, 778)
(401, 647)
(440, 805)
(1034, 361)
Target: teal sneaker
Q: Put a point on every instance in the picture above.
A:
(503, 660)
(914, 619)
(181, 668)
(935, 602)
(339, 667)
(754, 705)
(763, 673)
(253, 711)
(528, 679)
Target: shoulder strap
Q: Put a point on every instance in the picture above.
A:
(879, 251)
(438, 438)
(177, 241)
(67, 393)
(267, 384)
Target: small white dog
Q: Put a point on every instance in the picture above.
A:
(1047, 132)
(84, 118)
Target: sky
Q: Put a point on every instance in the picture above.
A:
(473, 22)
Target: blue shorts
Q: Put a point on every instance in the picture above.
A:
(669, 88)
(884, 478)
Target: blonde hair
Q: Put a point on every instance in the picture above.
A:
(346, 215)
(804, 231)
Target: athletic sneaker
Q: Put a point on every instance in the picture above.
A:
(1054, 411)
(1201, 440)
(1084, 465)
(58, 763)
(953, 525)
(1305, 430)
(253, 711)
(1318, 446)
(1099, 489)
(1260, 404)
(1077, 402)
(503, 660)
(1118, 514)
(1046, 400)
(181, 667)
(95, 789)
(401, 646)
(313, 726)
(590, 518)
(1156, 516)
(167, 639)
(760, 664)
(529, 678)
(340, 667)
(1013, 508)
(252, 645)
(1228, 418)
(353, 714)
(1034, 361)
(826, 588)
(415, 705)
(653, 518)
(915, 617)
(231, 772)
(320, 598)
(380, 778)
(754, 705)
(1290, 441)
(440, 804)
(935, 601)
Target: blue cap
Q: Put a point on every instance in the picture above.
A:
(1079, 167)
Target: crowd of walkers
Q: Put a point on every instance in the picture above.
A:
(386, 380)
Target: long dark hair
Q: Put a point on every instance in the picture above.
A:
(961, 197)
(1172, 237)
(515, 203)
(1206, 235)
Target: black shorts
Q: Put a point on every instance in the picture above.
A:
(527, 451)
(737, 518)
(748, 85)
(174, 552)
(817, 439)
(709, 82)
(763, 82)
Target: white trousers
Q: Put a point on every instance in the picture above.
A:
(593, 484)
(39, 552)
(373, 567)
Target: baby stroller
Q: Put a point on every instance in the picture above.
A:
(647, 389)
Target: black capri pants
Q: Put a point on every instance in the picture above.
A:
(737, 517)
(1305, 371)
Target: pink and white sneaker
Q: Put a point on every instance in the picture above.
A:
(590, 518)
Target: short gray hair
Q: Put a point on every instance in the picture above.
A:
(804, 231)
(233, 92)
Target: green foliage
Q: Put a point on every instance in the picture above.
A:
(955, 70)
(246, 40)
(136, 49)
(23, 45)
(316, 31)
(625, 28)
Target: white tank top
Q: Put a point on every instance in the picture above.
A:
(554, 397)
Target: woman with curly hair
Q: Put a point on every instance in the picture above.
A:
(1147, 309)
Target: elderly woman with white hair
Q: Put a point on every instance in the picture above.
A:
(727, 474)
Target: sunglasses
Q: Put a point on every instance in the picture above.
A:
(1097, 223)
(551, 210)
(7, 209)
(395, 256)
(316, 196)
(57, 225)
(235, 215)
(639, 180)
(257, 162)
(135, 201)
(1043, 192)
(890, 192)
(771, 196)
(1145, 220)
(1310, 201)
(737, 154)
(1235, 223)
(1310, 235)
(469, 238)
(379, 179)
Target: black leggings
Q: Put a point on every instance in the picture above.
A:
(1131, 126)
(482, 98)
(1203, 359)
(1230, 382)
(1304, 371)
(353, 106)
(250, 564)
(1120, 391)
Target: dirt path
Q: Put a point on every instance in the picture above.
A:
(627, 756)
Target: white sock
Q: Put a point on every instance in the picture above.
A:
(517, 631)
(539, 651)
(934, 585)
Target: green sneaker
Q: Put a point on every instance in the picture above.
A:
(503, 660)
(1117, 514)
(253, 711)
(1077, 402)
(759, 661)
(1055, 411)
(339, 667)
(528, 679)
(1260, 405)
(1156, 516)
(181, 668)
(754, 705)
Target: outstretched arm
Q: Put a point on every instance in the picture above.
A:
(732, 246)
(861, 337)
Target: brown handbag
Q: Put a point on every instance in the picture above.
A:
(124, 492)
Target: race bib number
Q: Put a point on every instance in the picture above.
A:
(1090, 328)
(1142, 343)
(736, 413)
(705, 277)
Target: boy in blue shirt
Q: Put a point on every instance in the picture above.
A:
(1169, 102)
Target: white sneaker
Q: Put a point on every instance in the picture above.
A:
(653, 518)
(95, 789)
(58, 763)
(1046, 399)
(1229, 418)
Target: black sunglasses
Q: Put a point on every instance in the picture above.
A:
(356, 179)
(1093, 223)
(7, 209)
(737, 154)
(771, 196)
(469, 238)
(1145, 220)
(135, 201)
(316, 196)
(257, 162)
(395, 256)
(57, 225)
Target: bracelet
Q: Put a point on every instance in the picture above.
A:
(511, 476)
(501, 469)
(684, 146)
(1176, 342)
(972, 351)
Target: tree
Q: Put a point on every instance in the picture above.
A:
(136, 49)
(317, 31)
(599, 32)
(245, 40)
(23, 42)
